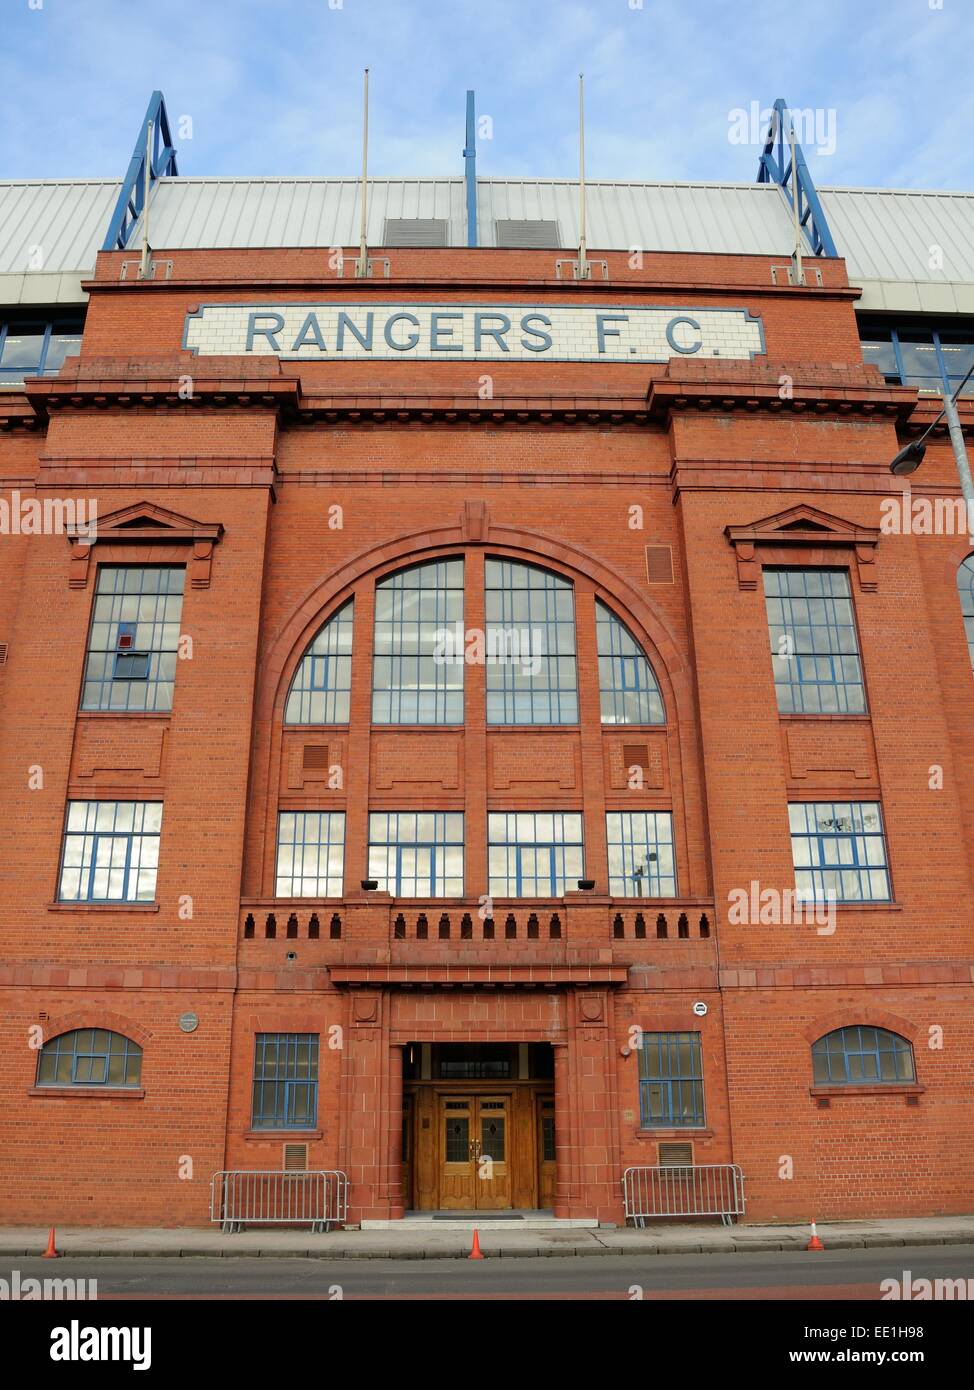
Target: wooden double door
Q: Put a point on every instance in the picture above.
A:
(478, 1150)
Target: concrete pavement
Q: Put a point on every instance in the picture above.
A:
(419, 1244)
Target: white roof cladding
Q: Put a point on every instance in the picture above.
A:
(49, 233)
(886, 236)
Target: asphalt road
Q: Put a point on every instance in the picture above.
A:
(792, 1275)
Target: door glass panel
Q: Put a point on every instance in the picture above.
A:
(457, 1139)
(492, 1135)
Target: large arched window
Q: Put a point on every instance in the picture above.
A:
(417, 671)
(322, 683)
(965, 583)
(861, 1056)
(628, 686)
(90, 1057)
(532, 675)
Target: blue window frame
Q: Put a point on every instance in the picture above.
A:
(110, 852)
(90, 1057)
(839, 851)
(285, 1081)
(629, 689)
(36, 348)
(310, 854)
(814, 646)
(322, 685)
(929, 358)
(417, 671)
(534, 854)
(532, 675)
(133, 645)
(861, 1056)
(642, 862)
(965, 585)
(670, 1081)
(417, 854)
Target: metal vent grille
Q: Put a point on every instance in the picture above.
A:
(416, 231)
(315, 757)
(636, 755)
(659, 564)
(527, 233)
(295, 1158)
(3, 653)
(675, 1155)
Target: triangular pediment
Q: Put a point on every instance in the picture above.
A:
(148, 516)
(803, 531)
(804, 521)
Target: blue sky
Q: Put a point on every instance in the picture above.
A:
(274, 86)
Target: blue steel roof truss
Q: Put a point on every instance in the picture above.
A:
(775, 167)
(128, 209)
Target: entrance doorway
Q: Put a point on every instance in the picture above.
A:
(478, 1127)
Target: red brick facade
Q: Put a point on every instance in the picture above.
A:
(735, 466)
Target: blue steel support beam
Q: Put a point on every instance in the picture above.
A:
(775, 167)
(132, 195)
(470, 169)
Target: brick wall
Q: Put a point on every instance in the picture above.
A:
(549, 470)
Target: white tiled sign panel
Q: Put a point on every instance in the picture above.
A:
(478, 332)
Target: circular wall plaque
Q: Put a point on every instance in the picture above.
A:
(700, 1009)
(189, 1023)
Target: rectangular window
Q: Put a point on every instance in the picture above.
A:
(530, 646)
(417, 854)
(814, 647)
(839, 850)
(310, 854)
(670, 1081)
(924, 357)
(111, 851)
(534, 854)
(285, 1081)
(641, 857)
(134, 639)
(36, 349)
(417, 670)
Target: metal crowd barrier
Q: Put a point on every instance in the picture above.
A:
(709, 1189)
(315, 1199)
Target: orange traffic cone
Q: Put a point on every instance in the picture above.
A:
(475, 1251)
(52, 1252)
(814, 1243)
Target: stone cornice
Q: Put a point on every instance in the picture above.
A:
(778, 388)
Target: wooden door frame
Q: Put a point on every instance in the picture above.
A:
(510, 1088)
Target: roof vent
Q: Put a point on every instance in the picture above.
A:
(527, 234)
(416, 231)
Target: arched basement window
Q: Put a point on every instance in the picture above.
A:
(90, 1057)
(417, 670)
(861, 1056)
(322, 683)
(532, 675)
(965, 583)
(629, 689)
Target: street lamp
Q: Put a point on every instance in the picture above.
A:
(908, 460)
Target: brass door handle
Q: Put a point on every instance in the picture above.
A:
(475, 1148)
